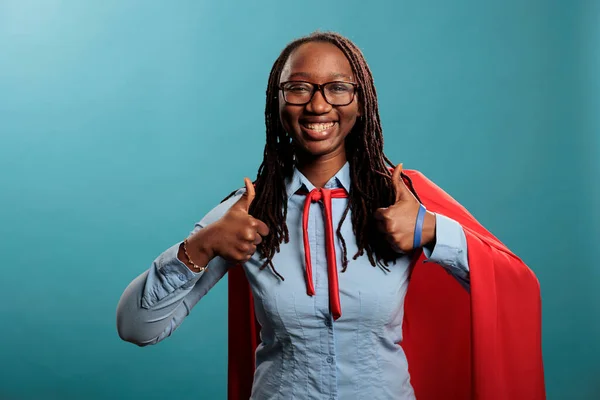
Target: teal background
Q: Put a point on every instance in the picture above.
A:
(121, 125)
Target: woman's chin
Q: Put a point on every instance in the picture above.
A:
(320, 149)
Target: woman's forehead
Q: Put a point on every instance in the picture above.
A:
(317, 62)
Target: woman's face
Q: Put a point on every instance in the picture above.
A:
(318, 128)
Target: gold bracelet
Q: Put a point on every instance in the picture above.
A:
(200, 269)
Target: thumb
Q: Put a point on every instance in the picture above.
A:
(246, 200)
(398, 182)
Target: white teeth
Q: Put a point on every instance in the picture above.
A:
(320, 127)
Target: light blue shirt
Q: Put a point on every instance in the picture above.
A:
(304, 354)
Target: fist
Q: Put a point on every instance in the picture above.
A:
(235, 236)
(397, 222)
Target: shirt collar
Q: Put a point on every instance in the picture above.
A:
(340, 180)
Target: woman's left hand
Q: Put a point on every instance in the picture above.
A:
(398, 221)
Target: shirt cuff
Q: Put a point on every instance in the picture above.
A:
(450, 249)
(167, 274)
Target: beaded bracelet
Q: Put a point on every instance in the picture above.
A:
(419, 226)
(200, 269)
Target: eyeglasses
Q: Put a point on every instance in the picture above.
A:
(335, 93)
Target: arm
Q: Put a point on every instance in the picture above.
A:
(157, 301)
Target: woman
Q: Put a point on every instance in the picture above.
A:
(330, 306)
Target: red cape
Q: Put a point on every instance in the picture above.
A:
(483, 345)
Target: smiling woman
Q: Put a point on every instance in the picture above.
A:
(318, 107)
(431, 305)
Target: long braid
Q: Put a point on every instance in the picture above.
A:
(370, 173)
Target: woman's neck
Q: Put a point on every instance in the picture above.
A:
(320, 170)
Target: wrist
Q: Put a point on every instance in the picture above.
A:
(199, 248)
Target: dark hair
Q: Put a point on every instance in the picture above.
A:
(370, 173)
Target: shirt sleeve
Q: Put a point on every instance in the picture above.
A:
(450, 249)
(166, 276)
(157, 301)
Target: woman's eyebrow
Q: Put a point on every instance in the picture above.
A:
(334, 76)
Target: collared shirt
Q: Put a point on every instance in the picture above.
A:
(304, 353)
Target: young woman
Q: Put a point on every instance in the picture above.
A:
(328, 236)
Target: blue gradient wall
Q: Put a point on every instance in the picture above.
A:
(122, 123)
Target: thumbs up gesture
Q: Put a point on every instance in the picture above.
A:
(235, 235)
(398, 221)
(238, 233)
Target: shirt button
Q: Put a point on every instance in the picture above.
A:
(181, 277)
(329, 359)
(327, 322)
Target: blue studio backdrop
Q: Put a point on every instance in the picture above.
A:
(123, 122)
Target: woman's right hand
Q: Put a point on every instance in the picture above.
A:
(233, 237)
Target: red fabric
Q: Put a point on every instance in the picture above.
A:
(324, 195)
(483, 345)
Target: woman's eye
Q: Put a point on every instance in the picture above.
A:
(339, 88)
(299, 89)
